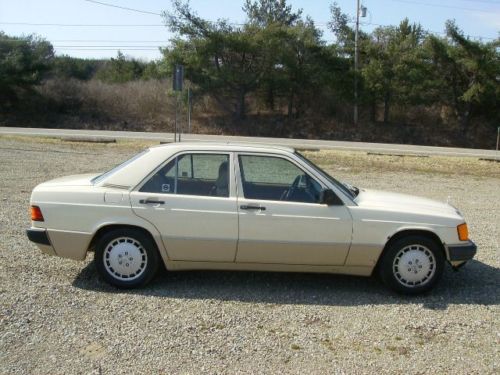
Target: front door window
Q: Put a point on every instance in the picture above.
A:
(275, 178)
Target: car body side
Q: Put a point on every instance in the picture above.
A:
(76, 211)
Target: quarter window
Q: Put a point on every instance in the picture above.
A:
(274, 178)
(192, 174)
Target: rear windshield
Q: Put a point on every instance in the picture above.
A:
(105, 175)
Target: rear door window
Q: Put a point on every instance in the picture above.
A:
(192, 174)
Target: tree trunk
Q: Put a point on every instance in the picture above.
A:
(290, 104)
(228, 107)
(241, 110)
(270, 98)
(298, 109)
(387, 101)
(464, 119)
(373, 111)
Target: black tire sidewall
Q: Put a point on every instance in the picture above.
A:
(387, 275)
(148, 245)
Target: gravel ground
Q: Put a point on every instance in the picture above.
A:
(56, 317)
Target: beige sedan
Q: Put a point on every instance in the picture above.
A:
(243, 207)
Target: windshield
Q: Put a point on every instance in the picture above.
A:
(105, 175)
(348, 189)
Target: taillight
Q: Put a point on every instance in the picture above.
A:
(463, 232)
(36, 213)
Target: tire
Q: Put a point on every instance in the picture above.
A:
(412, 264)
(126, 258)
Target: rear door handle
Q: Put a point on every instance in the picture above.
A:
(252, 207)
(151, 201)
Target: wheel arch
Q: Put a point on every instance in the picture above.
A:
(106, 228)
(409, 232)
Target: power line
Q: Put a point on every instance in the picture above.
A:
(106, 25)
(322, 23)
(123, 8)
(105, 41)
(442, 6)
(430, 31)
(482, 1)
(161, 25)
(81, 25)
(148, 12)
(89, 41)
(107, 49)
(104, 46)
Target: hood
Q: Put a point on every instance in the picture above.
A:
(74, 180)
(403, 202)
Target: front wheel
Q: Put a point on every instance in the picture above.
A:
(126, 258)
(412, 264)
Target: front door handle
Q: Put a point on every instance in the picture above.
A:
(151, 201)
(252, 207)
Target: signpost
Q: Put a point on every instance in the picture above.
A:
(177, 83)
(189, 108)
(498, 136)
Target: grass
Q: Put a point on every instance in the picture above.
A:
(360, 162)
(120, 144)
(353, 162)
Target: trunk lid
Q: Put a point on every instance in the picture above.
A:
(74, 180)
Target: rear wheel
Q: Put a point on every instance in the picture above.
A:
(126, 258)
(412, 264)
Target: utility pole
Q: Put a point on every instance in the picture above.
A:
(189, 108)
(362, 9)
(356, 65)
(177, 82)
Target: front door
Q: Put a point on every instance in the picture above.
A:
(191, 201)
(281, 219)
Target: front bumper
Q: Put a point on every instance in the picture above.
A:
(459, 253)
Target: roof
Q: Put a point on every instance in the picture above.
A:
(225, 146)
(135, 170)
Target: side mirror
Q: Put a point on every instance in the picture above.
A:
(329, 198)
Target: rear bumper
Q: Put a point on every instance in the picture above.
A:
(41, 238)
(464, 252)
(66, 244)
(38, 236)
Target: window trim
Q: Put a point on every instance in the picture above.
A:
(231, 182)
(239, 171)
(339, 185)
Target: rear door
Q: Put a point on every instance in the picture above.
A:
(192, 202)
(281, 219)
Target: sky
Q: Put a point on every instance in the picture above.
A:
(85, 29)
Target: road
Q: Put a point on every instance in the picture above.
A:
(296, 143)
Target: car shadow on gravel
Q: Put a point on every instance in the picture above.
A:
(476, 283)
